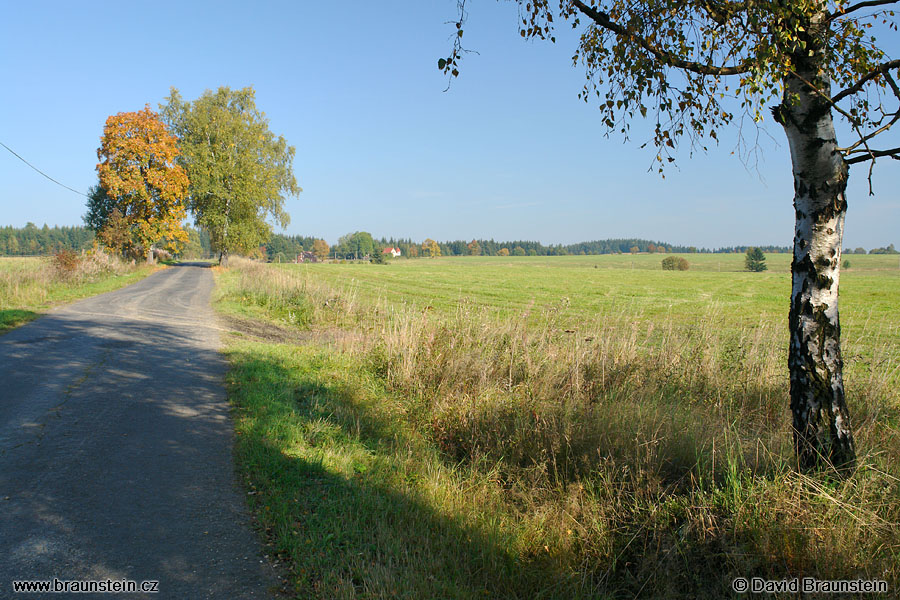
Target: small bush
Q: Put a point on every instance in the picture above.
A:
(66, 262)
(846, 264)
(755, 261)
(161, 254)
(675, 263)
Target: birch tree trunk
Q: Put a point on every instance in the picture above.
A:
(821, 422)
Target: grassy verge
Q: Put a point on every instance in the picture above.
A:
(29, 286)
(457, 453)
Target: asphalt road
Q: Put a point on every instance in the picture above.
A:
(115, 447)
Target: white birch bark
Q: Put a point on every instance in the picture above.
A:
(821, 422)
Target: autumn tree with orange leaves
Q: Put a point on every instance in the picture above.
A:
(144, 188)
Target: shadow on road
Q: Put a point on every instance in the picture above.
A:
(115, 458)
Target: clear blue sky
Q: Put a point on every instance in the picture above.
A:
(509, 152)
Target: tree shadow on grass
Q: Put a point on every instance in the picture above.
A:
(360, 525)
(367, 530)
(13, 317)
(115, 455)
(351, 537)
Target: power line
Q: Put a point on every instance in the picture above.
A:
(41, 172)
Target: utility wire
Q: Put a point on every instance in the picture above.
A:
(41, 172)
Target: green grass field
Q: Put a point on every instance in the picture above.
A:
(596, 284)
(716, 291)
(565, 427)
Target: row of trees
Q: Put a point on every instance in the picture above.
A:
(31, 239)
(360, 244)
(886, 250)
(214, 156)
(532, 248)
(411, 248)
(889, 250)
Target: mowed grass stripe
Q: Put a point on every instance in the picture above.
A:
(590, 285)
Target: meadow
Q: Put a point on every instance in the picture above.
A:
(559, 427)
(598, 284)
(30, 286)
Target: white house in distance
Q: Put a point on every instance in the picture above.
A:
(394, 252)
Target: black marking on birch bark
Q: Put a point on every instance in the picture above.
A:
(816, 144)
(817, 395)
(824, 281)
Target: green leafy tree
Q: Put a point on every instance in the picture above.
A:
(320, 249)
(358, 244)
(675, 263)
(108, 222)
(692, 67)
(431, 248)
(240, 171)
(755, 260)
(518, 251)
(100, 206)
(193, 247)
(116, 232)
(379, 257)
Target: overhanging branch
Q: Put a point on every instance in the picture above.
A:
(879, 70)
(859, 6)
(866, 138)
(873, 154)
(603, 20)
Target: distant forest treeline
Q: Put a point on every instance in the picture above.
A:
(284, 247)
(31, 239)
(34, 240)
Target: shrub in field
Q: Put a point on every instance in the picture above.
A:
(755, 261)
(97, 263)
(675, 263)
(66, 262)
(161, 254)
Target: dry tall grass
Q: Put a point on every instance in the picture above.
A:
(30, 282)
(643, 455)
